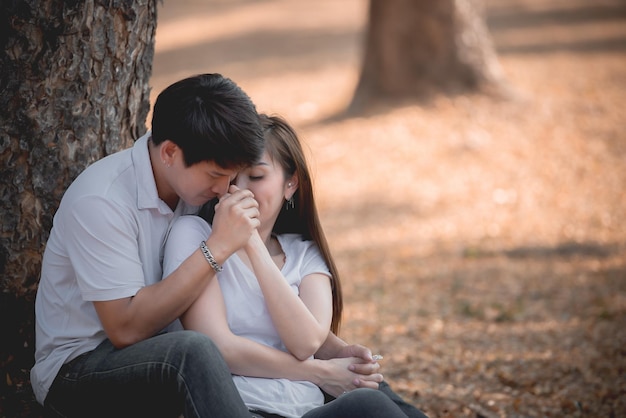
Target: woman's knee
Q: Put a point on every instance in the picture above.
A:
(369, 399)
(365, 393)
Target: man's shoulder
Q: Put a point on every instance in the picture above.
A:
(103, 176)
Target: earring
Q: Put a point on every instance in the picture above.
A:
(289, 204)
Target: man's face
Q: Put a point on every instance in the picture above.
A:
(201, 182)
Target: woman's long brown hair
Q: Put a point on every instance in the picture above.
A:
(284, 147)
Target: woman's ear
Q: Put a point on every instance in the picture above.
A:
(292, 186)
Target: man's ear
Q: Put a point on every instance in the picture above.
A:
(168, 152)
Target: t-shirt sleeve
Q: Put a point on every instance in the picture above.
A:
(184, 238)
(312, 260)
(103, 249)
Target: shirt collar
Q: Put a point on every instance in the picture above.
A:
(147, 195)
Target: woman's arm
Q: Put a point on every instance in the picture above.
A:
(208, 315)
(303, 320)
(335, 347)
(248, 358)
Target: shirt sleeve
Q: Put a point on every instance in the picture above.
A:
(103, 249)
(312, 260)
(184, 238)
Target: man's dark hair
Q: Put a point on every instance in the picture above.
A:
(211, 119)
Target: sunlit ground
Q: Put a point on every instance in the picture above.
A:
(482, 242)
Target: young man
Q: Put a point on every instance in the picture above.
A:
(101, 304)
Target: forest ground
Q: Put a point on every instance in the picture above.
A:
(482, 241)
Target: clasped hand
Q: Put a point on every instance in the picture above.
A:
(236, 218)
(357, 370)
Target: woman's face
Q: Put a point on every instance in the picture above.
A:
(266, 180)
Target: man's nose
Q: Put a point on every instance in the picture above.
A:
(222, 185)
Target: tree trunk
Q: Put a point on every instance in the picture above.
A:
(74, 88)
(416, 48)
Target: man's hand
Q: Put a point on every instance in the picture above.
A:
(236, 218)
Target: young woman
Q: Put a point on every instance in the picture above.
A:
(276, 299)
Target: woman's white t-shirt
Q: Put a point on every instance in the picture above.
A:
(247, 312)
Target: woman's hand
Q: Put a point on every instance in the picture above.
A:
(368, 365)
(335, 348)
(339, 377)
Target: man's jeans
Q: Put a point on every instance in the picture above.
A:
(164, 376)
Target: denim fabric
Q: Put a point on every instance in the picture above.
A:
(407, 408)
(263, 414)
(164, 376)
(359, 403)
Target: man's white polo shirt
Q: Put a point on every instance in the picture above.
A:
(106, 243)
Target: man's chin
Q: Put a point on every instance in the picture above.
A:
(204, 200)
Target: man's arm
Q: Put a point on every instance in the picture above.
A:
(132, 319)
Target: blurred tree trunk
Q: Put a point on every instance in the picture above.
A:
(417, 48)
(74, 88)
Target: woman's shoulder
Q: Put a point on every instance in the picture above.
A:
(293, 240)
(295, 243)
(191, 222)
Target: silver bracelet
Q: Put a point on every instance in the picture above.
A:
(209, 257)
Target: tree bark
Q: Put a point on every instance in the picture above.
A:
(73, 88)
(417, 48)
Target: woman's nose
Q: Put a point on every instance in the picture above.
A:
(241, 182)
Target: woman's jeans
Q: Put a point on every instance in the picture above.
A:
(358, 403)
(171, 374)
